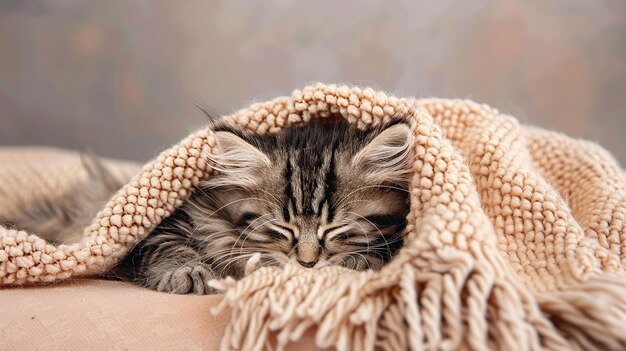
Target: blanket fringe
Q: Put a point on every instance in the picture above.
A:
(476, 302)
(593, 312)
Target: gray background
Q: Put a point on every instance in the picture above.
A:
(122, 77)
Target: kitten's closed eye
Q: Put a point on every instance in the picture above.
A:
(343, 236)
(275, 235)
(247, 218)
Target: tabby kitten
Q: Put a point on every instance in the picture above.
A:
(320, 195)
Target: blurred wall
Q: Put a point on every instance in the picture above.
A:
(122, 77)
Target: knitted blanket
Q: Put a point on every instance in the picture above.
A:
(516, 235)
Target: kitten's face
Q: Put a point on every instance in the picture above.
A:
(315, 196)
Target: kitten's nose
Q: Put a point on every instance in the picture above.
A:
(308, 264)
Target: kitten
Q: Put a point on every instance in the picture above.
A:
(320, 195)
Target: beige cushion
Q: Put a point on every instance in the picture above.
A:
(103, 315)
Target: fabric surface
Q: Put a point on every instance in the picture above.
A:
(89, 314)
(515, 238)
(85, 314)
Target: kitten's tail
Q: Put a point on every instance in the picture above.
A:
(62, 220)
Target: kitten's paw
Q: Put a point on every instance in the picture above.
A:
(187, 279)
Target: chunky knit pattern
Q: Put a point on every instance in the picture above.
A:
(516, 236)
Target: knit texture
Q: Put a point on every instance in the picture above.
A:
(516, 236)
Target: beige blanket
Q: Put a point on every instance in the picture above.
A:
(516, 235)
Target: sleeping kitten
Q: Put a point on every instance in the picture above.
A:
(316, 196)
(320, 195)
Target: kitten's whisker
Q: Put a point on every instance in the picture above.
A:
(353, 261)
(210, 215)
(293, 248)
(363, 229)
(278, 200)
(246, 228)
(244, 258)
(368, 253)
(254, 229)
(358, 200)
(374, 225)
(367, 261)
(231, 261)
(228, 204)
(213, 234)
(218, 254)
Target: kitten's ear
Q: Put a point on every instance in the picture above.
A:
(237, 155)
(386, 158)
